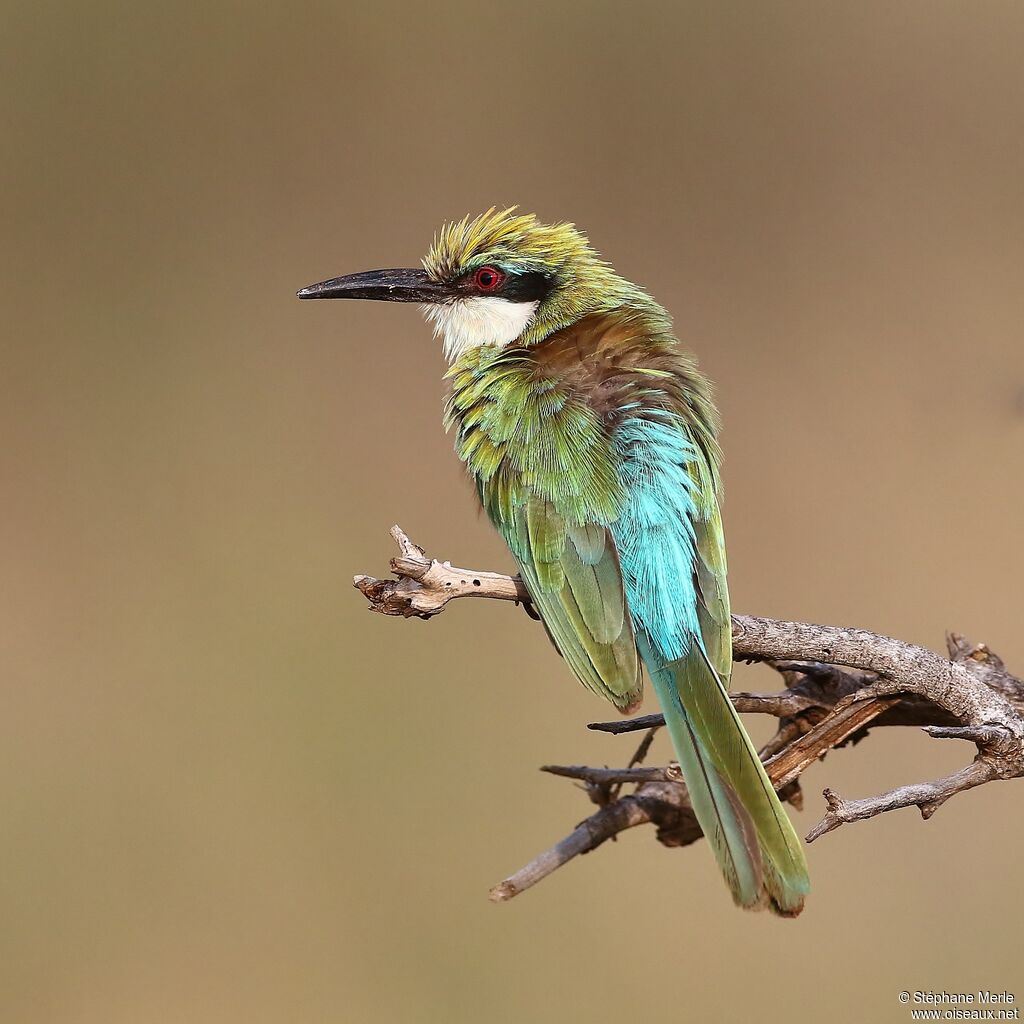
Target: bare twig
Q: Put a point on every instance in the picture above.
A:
(839, 683)
(424, 585)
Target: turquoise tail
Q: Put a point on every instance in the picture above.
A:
(753, 839)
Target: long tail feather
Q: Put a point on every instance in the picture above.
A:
(752, 837)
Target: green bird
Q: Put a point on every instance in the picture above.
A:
(592, 441)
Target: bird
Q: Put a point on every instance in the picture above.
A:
(591, 437)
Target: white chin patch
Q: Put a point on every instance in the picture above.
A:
(480, 320)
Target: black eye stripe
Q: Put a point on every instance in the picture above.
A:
(529, 287)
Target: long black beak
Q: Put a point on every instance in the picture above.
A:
(390, 285)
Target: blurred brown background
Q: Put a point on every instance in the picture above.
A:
(227, 792)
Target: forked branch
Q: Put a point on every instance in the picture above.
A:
(839, 683)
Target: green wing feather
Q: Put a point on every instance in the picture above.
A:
(553, 509)
(573, 575)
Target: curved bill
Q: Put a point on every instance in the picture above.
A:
(411, 285)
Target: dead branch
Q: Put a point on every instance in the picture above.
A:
(840, 682)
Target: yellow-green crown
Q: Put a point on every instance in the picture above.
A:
(507, 239)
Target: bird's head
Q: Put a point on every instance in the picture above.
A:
(499, 278)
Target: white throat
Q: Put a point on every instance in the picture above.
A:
(478, 320)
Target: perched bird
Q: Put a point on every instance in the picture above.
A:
(592, 441)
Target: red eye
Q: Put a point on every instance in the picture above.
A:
(488, 279)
